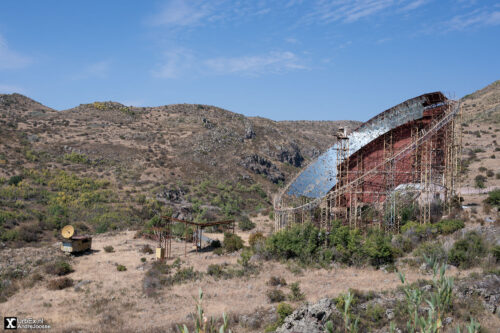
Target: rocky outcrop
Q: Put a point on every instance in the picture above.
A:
(249, 132)
(487, 288)
(262, 166)
(258, 319)
(174, 195)
(291, 155)
(309, 318)
(313, 317)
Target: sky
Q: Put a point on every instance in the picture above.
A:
(279, 59)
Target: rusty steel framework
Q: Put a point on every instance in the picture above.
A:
(197, 234)
(407, 154)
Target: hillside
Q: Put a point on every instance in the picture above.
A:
(480, 149)
(193, 161)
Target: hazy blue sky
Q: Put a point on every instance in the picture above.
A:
(288, 59)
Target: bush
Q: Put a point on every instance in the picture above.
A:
(58, 268)
(215, 270)
(255, 238)
(275, 295)
(147, 249)
(29, 233)
(494, 198)
(232, 242)
(480, 181)
(300, 241)
(59, 284)
(378, 248)
(430, 250)
(76, 158)
(109, 249)
(375, 313)
(245, 223)
(14, 180)
(9, 235)
(347, 244)
(183, 275)
(143, 259)
(121, 268)
(467, 252)
(295, 293)
(283, 310)
(449, 226)
(276, 281)
(244, 260)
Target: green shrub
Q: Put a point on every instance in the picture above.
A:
(15, 180)
(283, 310)
(184, 275)
(59, 284)
(121, 268)
(430, 250)
(255, 238)
(245, 256)
(76, 158)
(275, 296)
(378, 248)
(59, 268)
(295, 293)
(109, 249)
(143, 259)
(449, 226)
(215, 270)
(9, 235)
(347, 244)
(375, 313)
(299, 241)
(468, 251)
(245, 223)
(480, 181)
(403, 244)
(276, 281)
(147, 249)
(494, 198)
(232, 242)
(340, 300)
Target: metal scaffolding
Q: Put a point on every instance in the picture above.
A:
(416, 161)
